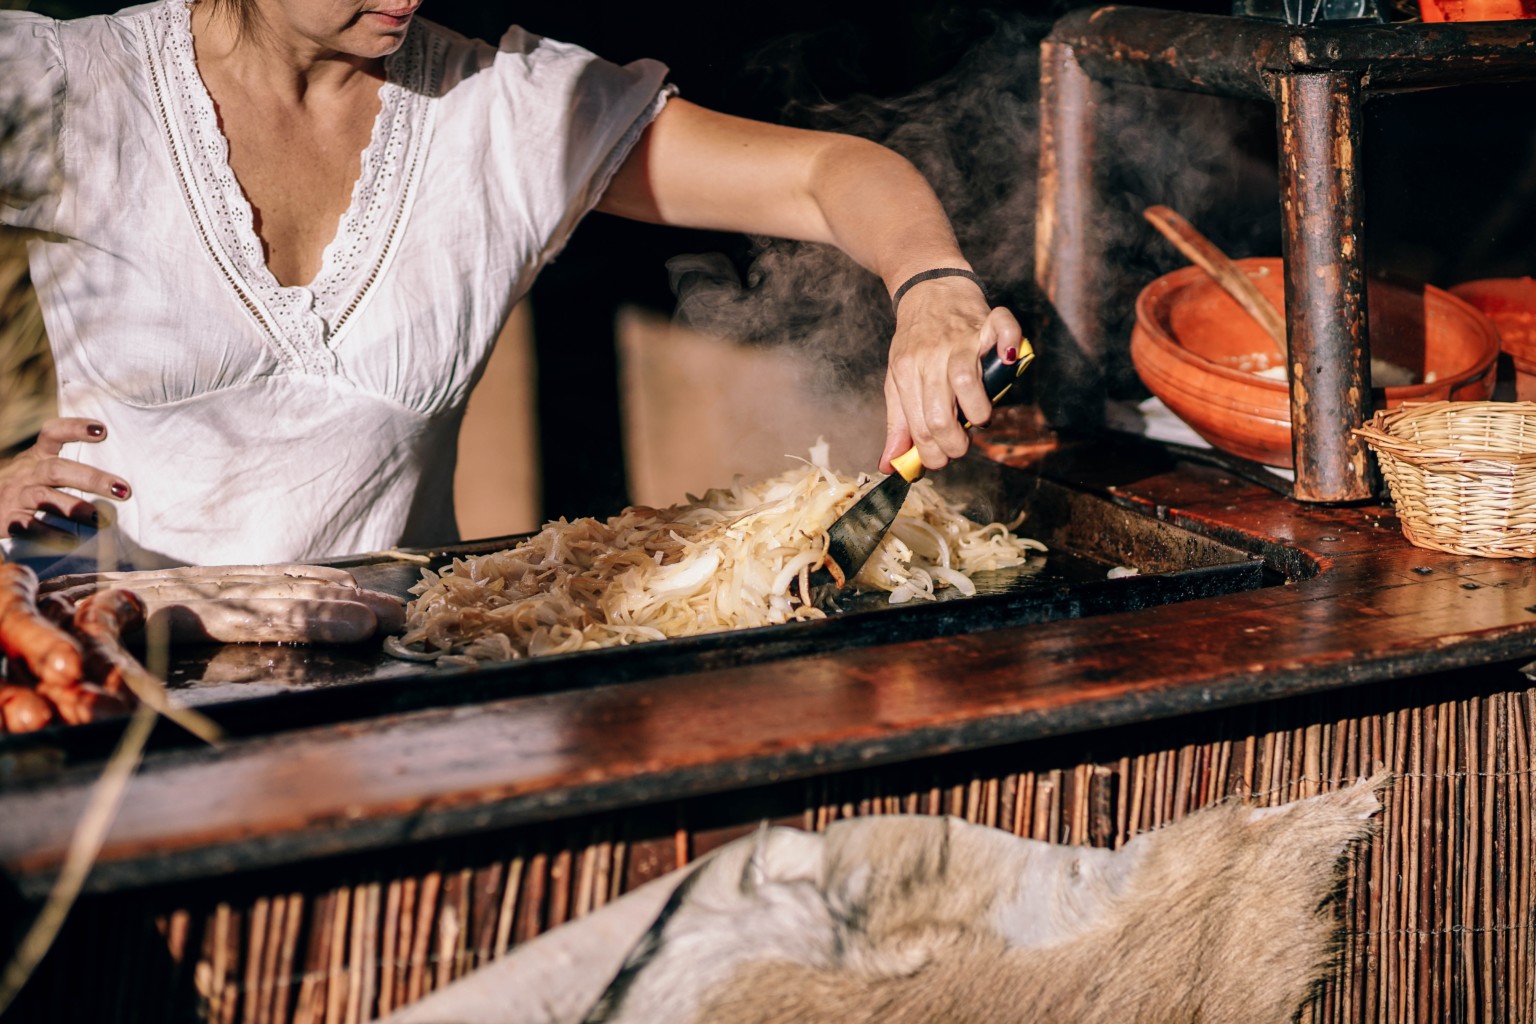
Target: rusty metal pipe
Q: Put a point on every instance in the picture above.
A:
(1318, 77)
(1322, 208)
(1239, 57)
(1069, 252)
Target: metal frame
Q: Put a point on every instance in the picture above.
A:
(1318, 77)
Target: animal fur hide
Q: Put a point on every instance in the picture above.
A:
(1223, 916)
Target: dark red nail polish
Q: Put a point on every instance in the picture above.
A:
(119, 490)
(96, 430)
(14, 529)
(1011, 356)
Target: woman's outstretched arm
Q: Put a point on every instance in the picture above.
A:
(701, 169)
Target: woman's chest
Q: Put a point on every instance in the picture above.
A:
(298, 167)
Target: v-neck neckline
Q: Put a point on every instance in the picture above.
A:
(304, 321)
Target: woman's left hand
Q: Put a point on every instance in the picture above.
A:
(933, 378)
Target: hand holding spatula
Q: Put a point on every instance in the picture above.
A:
(857, 532)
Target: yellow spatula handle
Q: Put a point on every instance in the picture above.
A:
(997, 377)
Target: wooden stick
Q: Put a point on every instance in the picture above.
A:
(1524, 862)
(450, 929)
(293, 919)
(335, 973)
(265, 985)
(560, 879)
(529, 920)
(316, 958)
(255, 949)
(421, 940)
(1489, 766)
(1204, 254)
(508, 914)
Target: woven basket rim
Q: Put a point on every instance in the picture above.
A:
(1384, 430)
(1456, 498)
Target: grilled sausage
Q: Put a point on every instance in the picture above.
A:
(101, 621)
(22, 710)
(78, 703)
(194, 573)
(265, 620)
(51, 654)
(388, 609)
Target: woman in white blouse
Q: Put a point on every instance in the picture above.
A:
(277, 238)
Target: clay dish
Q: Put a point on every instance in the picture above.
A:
(1214, 367)
(1510, 302)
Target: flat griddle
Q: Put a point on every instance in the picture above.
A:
(267, 689)
(1086, 535)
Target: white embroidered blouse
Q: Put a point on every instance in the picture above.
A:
(258, 422)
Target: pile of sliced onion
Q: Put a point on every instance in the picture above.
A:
(736, 557)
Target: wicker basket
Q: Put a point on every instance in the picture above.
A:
(1462, 474)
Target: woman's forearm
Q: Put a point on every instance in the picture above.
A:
(880, 210)
(696, 168)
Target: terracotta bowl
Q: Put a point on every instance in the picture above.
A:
(1510, 302)
(1214, 367)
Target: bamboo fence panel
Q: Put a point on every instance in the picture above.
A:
(1436, 912)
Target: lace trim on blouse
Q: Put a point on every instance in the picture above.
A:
(301, 322)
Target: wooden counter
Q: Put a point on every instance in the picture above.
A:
(1362, 607)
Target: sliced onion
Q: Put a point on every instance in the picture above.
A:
(959, 580)
(734, 557)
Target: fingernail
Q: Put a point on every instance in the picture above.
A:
(119, 490)
(14, 529)
(1011, 356)
(96, 430)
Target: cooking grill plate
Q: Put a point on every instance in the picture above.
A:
(1086, 534)
(267, 689)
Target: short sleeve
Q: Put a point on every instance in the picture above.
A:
(589, 115)
(31, 114)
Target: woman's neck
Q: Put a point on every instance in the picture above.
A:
(270, 57)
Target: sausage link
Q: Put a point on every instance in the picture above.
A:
(57, 609)
(194, 573)
(389, 609)
(266, 620)
(101, 621)
(51, 654)
(78, 703)
(22, 710)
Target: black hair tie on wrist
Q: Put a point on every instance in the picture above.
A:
(929, 275)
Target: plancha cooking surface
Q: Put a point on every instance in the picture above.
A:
(1086, 536)
(1360, 605)
(263, 689)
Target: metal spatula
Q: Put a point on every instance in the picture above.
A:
(857, 532)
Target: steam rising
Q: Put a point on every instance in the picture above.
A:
(973, 133)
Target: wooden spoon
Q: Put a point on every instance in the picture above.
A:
(1202, 252)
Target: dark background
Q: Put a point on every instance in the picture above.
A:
(1451, 174)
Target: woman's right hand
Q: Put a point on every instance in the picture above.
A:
(30, 482)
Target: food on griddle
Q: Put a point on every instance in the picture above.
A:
(735, 558)
(27, 637)
(45, 664)
(253, 609)
(203, 574)
(302, 604)
(278, 620)
(22, 710)
(65, 650)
